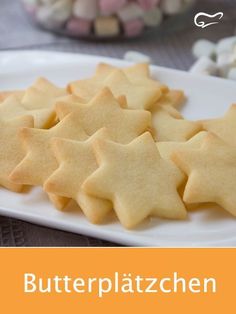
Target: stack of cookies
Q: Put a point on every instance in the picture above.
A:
(116, 142)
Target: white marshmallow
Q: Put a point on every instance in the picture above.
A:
(55, 15)
(232, 74)
(153, 17)
(225, 44)
(204, 65)
(225, 61)
(87, 9)
(171, 7)
(204, 48)
(135, 56)
(130, 12)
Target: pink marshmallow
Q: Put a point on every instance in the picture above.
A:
(148, 4)
(133, 28)
(108, 7)
(78, 26)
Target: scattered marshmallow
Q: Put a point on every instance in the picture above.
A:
(226, 61)
(106, 26)
(135, 56)
(215, 59)
(225, 44)
(204, 48)
(205, 66)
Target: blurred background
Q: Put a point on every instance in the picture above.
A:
(166, 34)
(169, 47)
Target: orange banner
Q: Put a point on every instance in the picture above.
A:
(123, 280)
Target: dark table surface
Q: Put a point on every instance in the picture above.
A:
(170, 50)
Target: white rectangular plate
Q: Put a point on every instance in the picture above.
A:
(207, 97)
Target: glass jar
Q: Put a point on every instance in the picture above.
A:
(104, 19)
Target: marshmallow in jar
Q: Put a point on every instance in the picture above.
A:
(104, 18)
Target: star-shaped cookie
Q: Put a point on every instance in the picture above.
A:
(76, 162)
(136, 180)
(68, 104)
(166, 149)
(172, 98)
(17, 122)
(169, 125)
(4, 95)
(224, 127)
(12, 108)
(39, 162)
(104, 110)
(11, 150)
(137, 75)
(211, 173)
(139, 95)
(136, 71)
(42, 94)
(48, 87)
